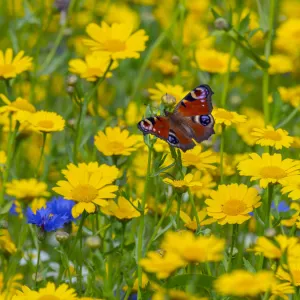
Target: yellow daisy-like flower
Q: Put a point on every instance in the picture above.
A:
(186, 182)
(19, 104)
(123, 209)
(232, 203)
(274, 250)
(208, 183)
(6, 243)
(13, 284)
(10, 67)
(88, 185)
(161, 90)
(281, 290)
(191, 223)
(62, 292)
(92, 67)
(241, 283)
(226, 117)
(116, 40)
(280, 64)
(269, 168)
(116, 142)
(292, 187)
(269, 136)
(3, 158)
(194, 249)
(200, 159)
(27, 189)
(290, 95)
(290, 273)
(161, 264)
(213, 61)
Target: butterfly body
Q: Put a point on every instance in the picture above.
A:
(190, 120)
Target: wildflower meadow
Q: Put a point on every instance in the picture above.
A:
(149, 149)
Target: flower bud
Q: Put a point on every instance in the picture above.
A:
(3, 224)
(39, 277)
(72, 80)
(221, 24)
(168, 100)
(175, 60)
(270, 232)
(61, 236)
(41, 234)
(62, 4)
(70, 89)
(207, 232)
(93, 242)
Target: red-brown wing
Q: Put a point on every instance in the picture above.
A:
(197, 102)
(158, 126)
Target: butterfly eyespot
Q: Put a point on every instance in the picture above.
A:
(200, 93)
(146, 125)
(205, 120)
(172, 139)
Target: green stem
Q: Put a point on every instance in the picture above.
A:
(233, 240)
(268, 219)
(191, 197)
(178, 197)
(222, 154)
(37, 265)
(289, 118)
(268, 47)
(141, 225)
(42, 154)
(77, 134)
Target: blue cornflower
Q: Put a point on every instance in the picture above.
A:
(45, 219)
(60, 206)
(282, 206)
(13, 209)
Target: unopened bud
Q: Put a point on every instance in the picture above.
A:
(175, 60)
(62, 4)
(93, 242)
(207, 232)
(70, 89)
(61, 236)
(270, 232)
(72, 79)
(3, 224)
(221, 24)
(168, 100)
(41, 234)
(38, 278)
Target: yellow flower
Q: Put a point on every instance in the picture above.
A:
(232, 203)
(163, 265)
(226, 117)
(123, 209)
(207, 184)
(281, 290)
(62, 292)
(194, 249)
(269, 168)
(162, 89)
(6, 244)
(280, 64)
(3, 158)
(27, 189)
(10, 67)
(135, 287)
(241, 283)
(185, 183)
(200, 159)
(116, 142)
(290, 9)
(292, 186)
(19, 104)
(269, 136)
(213, 61)
(274, 250)
(164, 64)
(88, 184)
(290, 273)
(191, 223)
(117, 41)
(13, 284)
(92, 67)
(296, 142)
(290, 95)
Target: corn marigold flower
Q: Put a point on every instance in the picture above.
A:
(123, 209)
(213, 61)
(280, 64)
(186, 182)
(269, 168)
(241, 283)
(226, 117)
(200, 159)
(274, 249)
(281, 290)
(88, 185)
(163, 265)
(62, 292)
(135, 287)
(19, 104)
(292, 187)
(116, 141)
(290, 95)
(191, 223)
(290, 273)
(3, 158)
(207, 184)
(161, 90)
(27, 189)
(13, 284)
(116, 40)
(269, 136)
(11, 67)
(232, 203)
(194, 249)
(6, 243)
(92, 67)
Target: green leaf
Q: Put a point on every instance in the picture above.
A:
(254, 31)
(243, 27)
(163, 169)
(215, 14)
(248, 266)
(5, 209)
(200, 280)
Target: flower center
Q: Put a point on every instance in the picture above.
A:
(224, 115)
(272, 172)
(94, 72)
(273, 135)
(116, 146)
(45, 124)
(48, 297)
(84, 193)
(6, 69)
(234, 207)
(114, 45)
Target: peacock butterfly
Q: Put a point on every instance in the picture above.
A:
(191, 119)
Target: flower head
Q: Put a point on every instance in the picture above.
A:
(280, 64)
(269, 136)
(92, 67)
(186, 182)
(6, 243)
(228, 118)
(116, 40)
(269, 168)
(88, 185)
(44, 219)
(191, 223)
(232, 203)
(60, 206)
(10, 67)
(207, 184)
(19, 104)
(290, 95)
(115, 141)
(292, 187)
